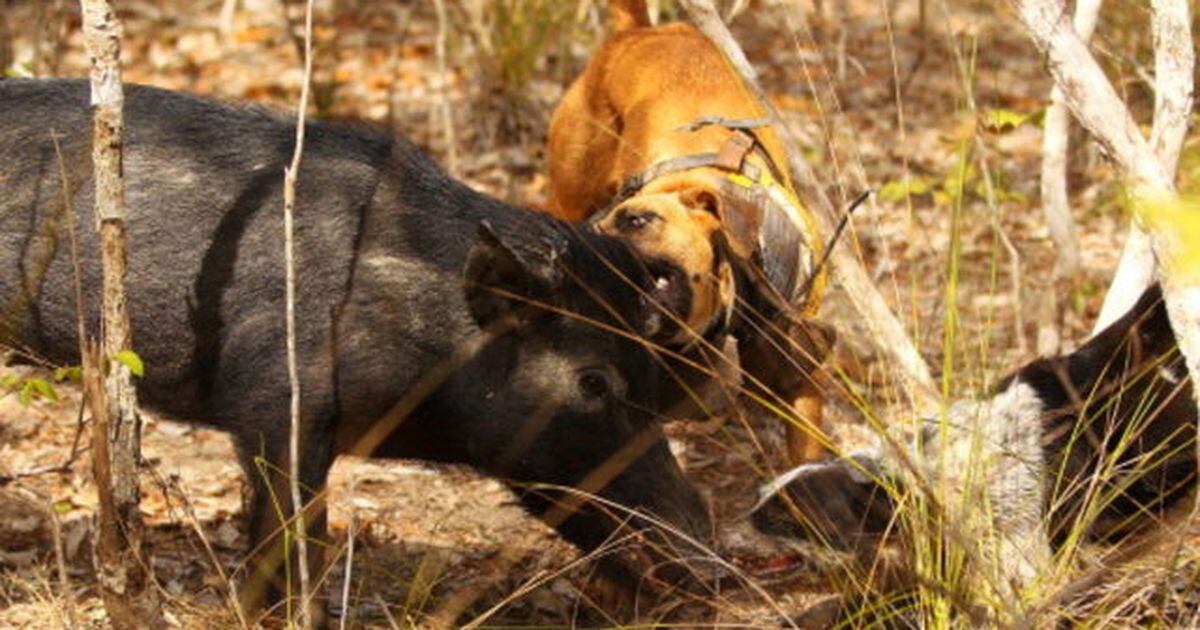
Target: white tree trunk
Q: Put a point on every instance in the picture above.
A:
(1174, 62)
(1149, 164)
(1174, 59)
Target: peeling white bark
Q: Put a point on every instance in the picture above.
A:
(1174, 61)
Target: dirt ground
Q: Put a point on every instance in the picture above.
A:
(423, 534)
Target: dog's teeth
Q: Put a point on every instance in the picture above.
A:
(661, 282)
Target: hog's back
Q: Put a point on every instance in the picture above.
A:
(203, 188)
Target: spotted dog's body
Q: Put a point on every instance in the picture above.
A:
(1092, 445)
(660, 142)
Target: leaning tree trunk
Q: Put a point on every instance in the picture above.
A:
(127, 589)
(888, 334)
(1149, 164)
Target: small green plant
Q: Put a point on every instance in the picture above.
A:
(27, 389)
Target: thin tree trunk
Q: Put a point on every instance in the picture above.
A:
(1056, 205)
(446, 114)
(127, 589)
(889, 335)
(225, 19)
(1055, 141)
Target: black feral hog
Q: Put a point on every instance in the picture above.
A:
(515, 374)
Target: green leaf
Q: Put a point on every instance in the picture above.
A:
(64, 506)
(72, 373)
(899, 190)
(131, 360)
(42, 388)
(1001, 120)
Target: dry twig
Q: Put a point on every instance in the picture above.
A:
(289, 208)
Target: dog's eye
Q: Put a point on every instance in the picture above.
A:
(632, 222)
(593, 384)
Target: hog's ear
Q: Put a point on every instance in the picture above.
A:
(505, 275)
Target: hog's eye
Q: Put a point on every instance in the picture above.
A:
(593, 384)
(634, 221)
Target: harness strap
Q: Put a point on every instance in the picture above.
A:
(731, 156)
(728, 123)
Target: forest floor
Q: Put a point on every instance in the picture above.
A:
(971, 87)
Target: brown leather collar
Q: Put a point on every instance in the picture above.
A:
(730, 157)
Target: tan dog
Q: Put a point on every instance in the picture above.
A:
(659, 141)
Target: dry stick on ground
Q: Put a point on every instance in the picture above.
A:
(889, 335)
(348, 575)
(1097, 107)
(1056, 206)
(289, 208)
(1174, 60)
(128, 592)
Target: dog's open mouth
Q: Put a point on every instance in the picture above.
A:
(667, 301)
(782, 566)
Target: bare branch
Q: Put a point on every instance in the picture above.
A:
(1089, 94)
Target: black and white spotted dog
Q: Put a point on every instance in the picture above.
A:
(1094, 445)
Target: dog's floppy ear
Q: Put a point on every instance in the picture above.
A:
(503, 273)
(741, 218)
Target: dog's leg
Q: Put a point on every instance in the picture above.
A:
(807, 439)
(787, 361)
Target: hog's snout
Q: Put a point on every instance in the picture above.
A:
(837, 503)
